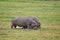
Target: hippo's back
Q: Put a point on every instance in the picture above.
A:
(19, 21)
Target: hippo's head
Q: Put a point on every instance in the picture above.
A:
(36, 24)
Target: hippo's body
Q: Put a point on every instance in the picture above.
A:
(23, 22)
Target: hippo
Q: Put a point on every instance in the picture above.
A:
(23, 22)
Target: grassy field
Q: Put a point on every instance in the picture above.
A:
(47, 12)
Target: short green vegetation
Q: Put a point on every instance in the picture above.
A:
(48, 13)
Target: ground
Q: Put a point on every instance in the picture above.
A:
(48, 14)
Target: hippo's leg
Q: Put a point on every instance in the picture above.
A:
(24, 27)
(29, 26)
(14, 26)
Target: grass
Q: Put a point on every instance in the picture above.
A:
(48, 14)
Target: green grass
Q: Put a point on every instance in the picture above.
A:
(26, 0)
(47, 12)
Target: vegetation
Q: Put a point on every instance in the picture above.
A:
(48, 14)
(27, 0)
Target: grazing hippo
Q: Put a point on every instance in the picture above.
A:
(36, 20)
(23, 22)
